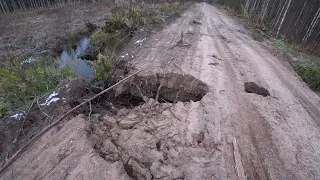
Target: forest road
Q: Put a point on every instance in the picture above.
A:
(227, 134)
(278, 135)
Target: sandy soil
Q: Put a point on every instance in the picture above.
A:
(228, 134)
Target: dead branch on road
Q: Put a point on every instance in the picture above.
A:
(11, 160)
(174, 115)
(90, 118)
(179, 68)
(237, 159)
(145, 98)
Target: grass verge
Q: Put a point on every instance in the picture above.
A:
(24, 79)
(310, 73)
(307, 66)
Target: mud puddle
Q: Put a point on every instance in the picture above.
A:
(71, 58)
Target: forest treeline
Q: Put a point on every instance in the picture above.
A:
(292, 19)
(7, 6)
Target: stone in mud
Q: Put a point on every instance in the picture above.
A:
(252, 87)
(127, 124)
(138, 172)
(110, 151)
(110, 121)
(132, 116)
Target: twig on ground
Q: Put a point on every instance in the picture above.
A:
(237, 159)
(179, 68)
(11, 160)
(177, 96)
(31, 104)
(164, 100)
(181, 42)
(90, 117)
(175, 116)
(41, 110)
(145, 99)
(171, 60)
(24, 120)
(158, 92)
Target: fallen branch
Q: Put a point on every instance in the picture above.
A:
(158, 92)
(24, 120)
(177, 96)
(179, 68)
(11, 160)
(174, 115)
(171, 60)
(237, 159)
(90, 117)
(145, 98)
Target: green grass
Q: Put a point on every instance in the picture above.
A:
(103, 66)
(21, 83)
(281, 44)
(307, 68)
(310, 73)
(97, 35)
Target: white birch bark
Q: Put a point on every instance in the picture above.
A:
(265, 9)
(284, 16)
(312, 26)
(280, 15)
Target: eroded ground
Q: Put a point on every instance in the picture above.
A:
(192, 117)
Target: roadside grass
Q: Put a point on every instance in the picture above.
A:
(309, 71)
(22, 81)
(281, 44)
(308, 67)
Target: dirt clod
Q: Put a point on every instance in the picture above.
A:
(252, 87)
(127, 124)
(169, 87)
(213, 64)
(196, 22)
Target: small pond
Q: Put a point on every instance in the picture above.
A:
(71, 58)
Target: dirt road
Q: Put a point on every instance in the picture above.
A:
(223, 133)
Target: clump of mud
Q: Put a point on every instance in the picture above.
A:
(252, 87)
(168, 87)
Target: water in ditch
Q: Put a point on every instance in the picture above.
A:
(71, 58)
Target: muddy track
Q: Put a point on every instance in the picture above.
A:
(190, 104)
